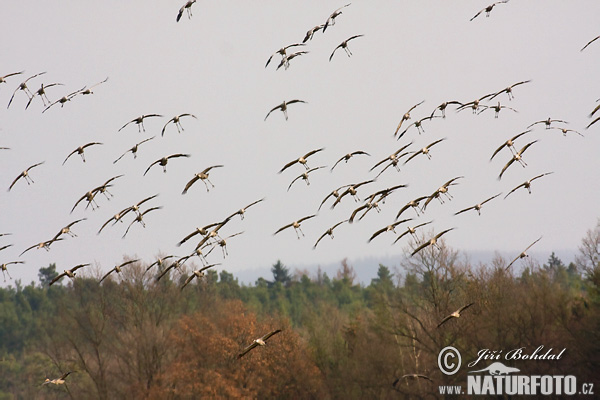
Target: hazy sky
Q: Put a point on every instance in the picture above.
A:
(212, 66)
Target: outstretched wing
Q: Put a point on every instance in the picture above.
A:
(268, 335)
(190, 183)
(58, 277)
(247, 349)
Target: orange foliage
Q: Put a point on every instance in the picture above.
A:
(207, 366)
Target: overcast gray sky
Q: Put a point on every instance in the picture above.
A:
(212, 65)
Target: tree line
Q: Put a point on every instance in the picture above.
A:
(135, 337)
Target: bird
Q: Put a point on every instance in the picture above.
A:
(593, 122)
(417, 124)
(344, 45)
(212, 234)
(442, 107)
(335, 193)
(547, 122)
(352, 191)
(295, 225)
(348, 156)
(204, 231)
(23, 87)
(139, 121)
(258, 342)
(134, 149)
(119, 216)
(477, 206)
(455, 314)
(90, 195)
(488, 9)
(442, 190)
(331, 19)
(393, 163)
(372, 201)
(582, 49)
(389, 228)
(203, 176)
(68, 272)
(510, 143)
(527, 184)
(176, 121)
(117, 269)
(41, 245)
(140, 218)
(67, 229)
(496, 109)
(176, 265)
(328, 232)
(163, 161)
(474, 105)
(283, 52)
(414, 204)
(242, 211)
(412, 231)
(64, 99)
(516, 157)
(285, 60)
(565, 131)
(25, 175)
(304, 176)
(431, 242)
(424, 150)
(80, 150)
(412, 376)
(201, 255)
(283, 107)
(4, 269)
(301, 160)
(159, 262)
(88, 90)
(406, 117)
(310, 33)
(369, 204)
(104, 187)
(508, 90)
(57, 381)
(523, 253)
(188, 7)
(199, 273)
(42, 93)
(222, 243)
(393, 157)
(3, 78)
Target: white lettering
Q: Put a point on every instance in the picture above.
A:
(570, 384)
(488, 385)
(558, 382)
(523, 384)
(510, 385)
(546, 385)
(535, 383)
(474, 384)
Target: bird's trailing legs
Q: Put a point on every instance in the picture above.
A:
(298, 229)
(211, 184)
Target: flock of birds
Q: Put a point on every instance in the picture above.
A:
(209, 236)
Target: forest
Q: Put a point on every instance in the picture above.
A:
(135, 337)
